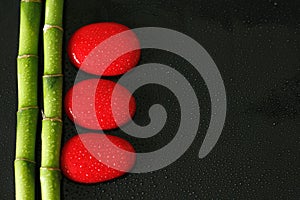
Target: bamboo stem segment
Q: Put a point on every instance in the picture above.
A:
(52, 91)
(27, 68)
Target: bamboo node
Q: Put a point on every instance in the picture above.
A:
(28, 1)
(53, 119)
(52, 75)
(27, 160)
(50, 118)
(27, 56)
(27, 108)
(43, 114)
(50, 168)
(48, 26)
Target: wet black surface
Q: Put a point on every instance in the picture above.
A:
(256, 46)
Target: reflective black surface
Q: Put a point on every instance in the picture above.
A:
(256, 46)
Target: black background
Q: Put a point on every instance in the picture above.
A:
(256, 46)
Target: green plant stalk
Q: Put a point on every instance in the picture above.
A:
(27, 114)
(52, 92)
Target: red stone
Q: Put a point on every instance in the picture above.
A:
(93, 157)
(89, 104)
(107, 59)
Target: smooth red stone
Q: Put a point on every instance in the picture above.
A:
(107, 60)
(93, 158)
(89, 104)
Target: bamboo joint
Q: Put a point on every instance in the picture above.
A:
(49, 26)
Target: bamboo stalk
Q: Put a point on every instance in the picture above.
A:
(52, 91)
(27, 114)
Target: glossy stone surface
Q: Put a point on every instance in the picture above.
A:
(94, 158)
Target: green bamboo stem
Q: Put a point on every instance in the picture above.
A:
(27, 68)
(52, 90)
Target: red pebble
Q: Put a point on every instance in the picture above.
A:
(108, 59)
(89, 104)
(93, 158)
